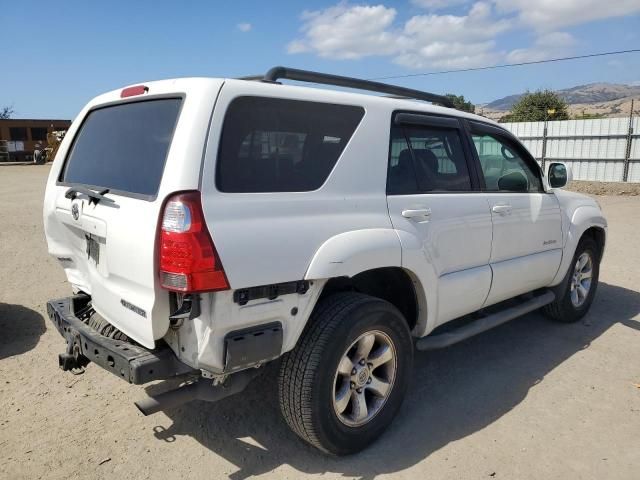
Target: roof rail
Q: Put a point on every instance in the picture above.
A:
(252, 78)
(327, 79)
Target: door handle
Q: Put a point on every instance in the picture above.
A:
(502, 209)
(418, 213)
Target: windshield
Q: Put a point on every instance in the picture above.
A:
(123, 147)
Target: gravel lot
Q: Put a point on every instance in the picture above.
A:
(530, 399)
(605, 188)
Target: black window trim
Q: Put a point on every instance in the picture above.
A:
(475, 127)
(122, 193)
(415, 120)
(418, 119)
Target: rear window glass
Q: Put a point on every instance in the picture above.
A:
(123, 147)
(276, 145)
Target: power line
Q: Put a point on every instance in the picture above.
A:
(506, 65)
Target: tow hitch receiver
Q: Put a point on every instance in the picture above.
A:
(129, 361)
(73, 360)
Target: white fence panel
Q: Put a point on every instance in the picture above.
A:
(635, 142)
(595, 149)
(534, 146)
(588, 128)
(634, 171)
(586, 148)
(526, 129)
(600, 170)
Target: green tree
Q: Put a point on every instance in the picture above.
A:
(6, 112)
(537, 107)
(460, 103)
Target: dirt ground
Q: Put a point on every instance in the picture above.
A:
(605, 188)
(529, 400)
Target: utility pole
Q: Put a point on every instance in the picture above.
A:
(627, 151)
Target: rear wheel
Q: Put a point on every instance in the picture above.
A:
(345, 381)
(579, 287)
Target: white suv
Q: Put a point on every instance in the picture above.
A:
(209, 226)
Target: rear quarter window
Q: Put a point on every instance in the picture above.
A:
(123, 147)
(279, 145)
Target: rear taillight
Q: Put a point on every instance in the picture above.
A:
(188, 259)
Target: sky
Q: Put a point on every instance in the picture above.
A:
(57, 56)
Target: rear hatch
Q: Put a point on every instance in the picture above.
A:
(106, 189)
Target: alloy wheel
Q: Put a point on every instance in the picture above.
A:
(581, 279)
(364, 378)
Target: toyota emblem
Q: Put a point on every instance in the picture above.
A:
(75, 211)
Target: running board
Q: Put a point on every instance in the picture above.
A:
(442, 340)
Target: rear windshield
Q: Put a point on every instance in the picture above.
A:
(123, 147)
(277, 145)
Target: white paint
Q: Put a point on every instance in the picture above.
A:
(127, 258)
(460, 257)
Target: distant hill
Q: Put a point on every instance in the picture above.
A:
(504, 104)
(609, 99)
(591, 93)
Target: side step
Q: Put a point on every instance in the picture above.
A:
(434, 342)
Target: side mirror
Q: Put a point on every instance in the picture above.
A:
(559, 175)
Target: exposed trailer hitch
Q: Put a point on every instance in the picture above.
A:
(202, 389)
(72, 359)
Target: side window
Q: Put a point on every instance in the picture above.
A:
(401, 177)
(504, 169)
(279, 145)
(426, 159)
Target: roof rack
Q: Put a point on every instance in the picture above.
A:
(327, 79)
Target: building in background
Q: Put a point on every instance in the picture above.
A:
(20, 137)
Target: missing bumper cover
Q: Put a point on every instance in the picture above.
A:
(129, 361)
(244, 295)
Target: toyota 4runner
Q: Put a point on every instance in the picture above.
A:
(210, 226)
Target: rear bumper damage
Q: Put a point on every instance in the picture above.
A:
(129, 361)
(132, 362)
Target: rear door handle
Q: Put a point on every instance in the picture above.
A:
(502, 209)
(418, 213)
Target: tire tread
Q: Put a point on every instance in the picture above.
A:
(299, 366)
(560, 309)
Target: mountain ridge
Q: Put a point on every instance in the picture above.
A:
(591, 93)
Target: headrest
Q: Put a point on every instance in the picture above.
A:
(426, 158)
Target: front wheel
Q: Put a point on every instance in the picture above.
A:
(579, 287)
(345, 381)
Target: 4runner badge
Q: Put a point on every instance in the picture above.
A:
(75, 211)
(133, 308)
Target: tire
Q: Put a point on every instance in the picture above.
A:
(564, 308)
(313, 381)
